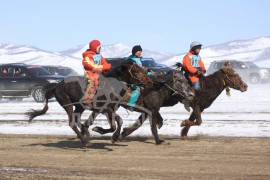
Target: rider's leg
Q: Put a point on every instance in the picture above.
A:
(134, 96)
(196, 86)
(92, 85)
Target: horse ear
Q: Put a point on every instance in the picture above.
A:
(179, 66)
(227, 64)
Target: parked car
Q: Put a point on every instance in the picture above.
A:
(148, 63)
(60, 70)
(19, 80)
(159, 69)
(246, 69)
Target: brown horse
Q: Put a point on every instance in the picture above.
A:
(111, 89)
(211, 88)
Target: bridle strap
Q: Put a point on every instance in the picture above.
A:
(134, 76)
(227, 87)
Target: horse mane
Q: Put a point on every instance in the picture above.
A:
(117, 71)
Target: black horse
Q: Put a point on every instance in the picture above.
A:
(211, 88)
(111, 89)
(170, 90)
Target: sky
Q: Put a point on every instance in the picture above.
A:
(157, 25)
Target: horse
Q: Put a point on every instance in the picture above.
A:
(170, 90)
(70, 91)
(211, 87)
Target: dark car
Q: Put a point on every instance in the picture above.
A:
(159, 69)
(60, 70)
(246, 69)
(18, 81)
(148, 63)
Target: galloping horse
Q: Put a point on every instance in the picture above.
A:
(211, 88)
(167, 92)
(69, 93)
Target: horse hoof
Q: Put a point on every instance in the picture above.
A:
(159, 142)
(95, 129)
(183, 124)
(113, 140)
(159, 125)
(184, 138)
(87, 145)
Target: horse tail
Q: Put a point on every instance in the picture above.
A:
(34, 113)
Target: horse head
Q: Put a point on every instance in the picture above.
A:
(181, 85)
(232, 79)
(135, 74)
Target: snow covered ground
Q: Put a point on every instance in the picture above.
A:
(243, 114)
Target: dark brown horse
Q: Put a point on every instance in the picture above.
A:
(111, 89)
(166, 92)
(211, 88)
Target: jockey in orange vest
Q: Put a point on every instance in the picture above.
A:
(94, 64)
(193, 64)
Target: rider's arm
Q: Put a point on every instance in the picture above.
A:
(106, 65)
(89, 64)
(202, 65)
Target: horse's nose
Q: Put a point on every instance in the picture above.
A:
(245, 86)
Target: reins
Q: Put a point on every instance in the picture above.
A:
(227, 87)
(175, 92)
(134, 76)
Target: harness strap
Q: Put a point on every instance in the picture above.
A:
(227, 89)
(175, 92)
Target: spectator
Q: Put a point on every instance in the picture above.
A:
(4, 72)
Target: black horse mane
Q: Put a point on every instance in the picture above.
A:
(118, 70)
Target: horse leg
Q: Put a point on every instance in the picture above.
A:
(159, 120)
(128, 130)
(191, 122)
(87, 123)
(116, 134)
(110, 118)
(73, 125)
(153, 123)
(186, 128)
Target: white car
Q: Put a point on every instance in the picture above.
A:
(246, 69)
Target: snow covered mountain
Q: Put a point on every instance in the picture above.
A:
(31, 55)
(72, 57)
(114, 51)
(256, 50)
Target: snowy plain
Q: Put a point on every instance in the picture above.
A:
(243, 114)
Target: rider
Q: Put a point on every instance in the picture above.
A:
(94, 64)
(136, 90)
(194, 65)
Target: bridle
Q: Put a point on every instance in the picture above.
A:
(174, 91)
(226, 86)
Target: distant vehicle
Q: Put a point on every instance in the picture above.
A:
(159, 69)
(246, 69)
(148, 63)
(60, 70)
(19, 80)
